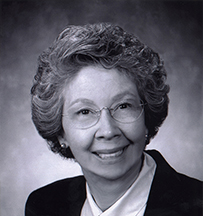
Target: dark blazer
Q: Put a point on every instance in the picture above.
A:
(171, 194)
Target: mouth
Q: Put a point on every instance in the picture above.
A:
(105, 155)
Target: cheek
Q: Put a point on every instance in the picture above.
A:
(135, 132)
(77, 139)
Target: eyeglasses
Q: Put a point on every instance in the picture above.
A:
(86, 117)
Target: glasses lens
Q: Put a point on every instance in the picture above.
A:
(83, 118)
(127, 113)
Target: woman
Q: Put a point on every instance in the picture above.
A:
(99, 96)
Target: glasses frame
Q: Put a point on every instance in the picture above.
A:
(99, 112)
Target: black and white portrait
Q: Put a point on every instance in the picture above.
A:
(101, 108)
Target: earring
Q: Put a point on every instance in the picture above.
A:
(146, 139)
(63, 145)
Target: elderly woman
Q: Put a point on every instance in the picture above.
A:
(99, 96)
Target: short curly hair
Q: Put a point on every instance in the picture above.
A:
(107, 45)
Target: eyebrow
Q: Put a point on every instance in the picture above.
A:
(115, 98)
(122, 95)
(82, 100)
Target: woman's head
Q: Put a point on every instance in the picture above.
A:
(103, 45)
(104, 123)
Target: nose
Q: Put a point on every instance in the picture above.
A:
(107, 127)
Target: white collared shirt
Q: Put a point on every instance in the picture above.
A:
(134, 200)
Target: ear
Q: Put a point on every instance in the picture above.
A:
(63, 142)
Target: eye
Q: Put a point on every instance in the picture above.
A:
(124, 106)
(83, 112)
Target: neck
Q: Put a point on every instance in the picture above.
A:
(107, 191)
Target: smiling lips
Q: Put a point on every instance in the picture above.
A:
(110, 155)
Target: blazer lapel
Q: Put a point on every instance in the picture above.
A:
(164, 197)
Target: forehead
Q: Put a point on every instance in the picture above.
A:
(99, 85)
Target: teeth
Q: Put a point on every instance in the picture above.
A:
(112, 155)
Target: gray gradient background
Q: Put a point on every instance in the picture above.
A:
(174, 29)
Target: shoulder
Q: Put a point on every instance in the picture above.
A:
(172, 189)
(163, 168)
(59, 197)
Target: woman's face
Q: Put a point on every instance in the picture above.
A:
(108, 149)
